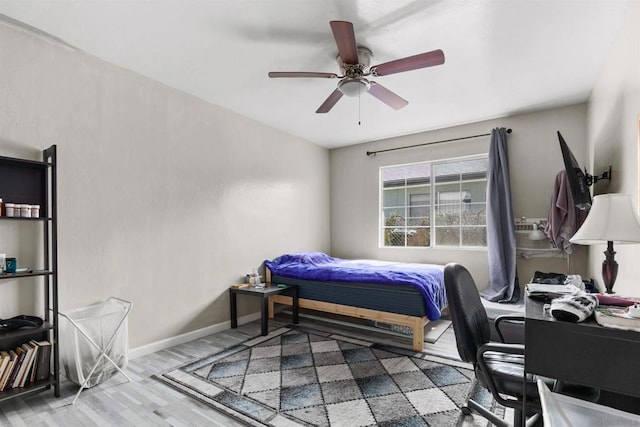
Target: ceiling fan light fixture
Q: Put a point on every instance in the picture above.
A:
(353, 87)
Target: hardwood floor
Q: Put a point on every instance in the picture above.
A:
(146, 401)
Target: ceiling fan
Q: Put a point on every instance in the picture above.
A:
(354, 62)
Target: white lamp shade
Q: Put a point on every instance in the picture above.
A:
(611, 218)
(353, 87)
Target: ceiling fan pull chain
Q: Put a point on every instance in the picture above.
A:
(359, 107)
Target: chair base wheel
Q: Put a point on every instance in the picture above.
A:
(465, 410)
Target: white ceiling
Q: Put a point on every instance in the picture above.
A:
(502, 57)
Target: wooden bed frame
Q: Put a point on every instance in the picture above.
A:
(416, 323)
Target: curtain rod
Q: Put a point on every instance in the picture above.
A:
(373, 153)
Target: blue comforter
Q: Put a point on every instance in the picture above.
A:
(427, 278)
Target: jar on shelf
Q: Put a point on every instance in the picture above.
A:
(25, 211)
(35, 211)
(10, 209)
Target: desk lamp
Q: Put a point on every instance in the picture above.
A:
(611, 219)
(536, 233)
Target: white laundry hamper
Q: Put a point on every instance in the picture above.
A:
(94, 342)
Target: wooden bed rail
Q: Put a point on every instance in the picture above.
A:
(416, 323)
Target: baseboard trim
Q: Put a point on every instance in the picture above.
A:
(188, 336)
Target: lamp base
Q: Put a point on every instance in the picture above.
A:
(609, 268)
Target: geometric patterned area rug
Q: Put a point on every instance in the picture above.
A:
(297, 376)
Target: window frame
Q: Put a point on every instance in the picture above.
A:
(433, 202)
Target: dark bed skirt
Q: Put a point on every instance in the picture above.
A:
(400, 299)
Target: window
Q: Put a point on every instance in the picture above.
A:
(439, 203)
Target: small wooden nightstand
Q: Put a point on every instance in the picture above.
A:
(264, 293)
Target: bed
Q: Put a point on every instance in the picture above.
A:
(407, 294)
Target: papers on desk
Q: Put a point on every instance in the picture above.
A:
(542, 290)
(616, 317)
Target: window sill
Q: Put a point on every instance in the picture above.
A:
(439, 248)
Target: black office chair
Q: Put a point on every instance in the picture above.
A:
(499, 367)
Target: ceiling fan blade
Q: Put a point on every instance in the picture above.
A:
(346, 41)
(422, 60)
(385, 95)
(276, 74)
(330, 102)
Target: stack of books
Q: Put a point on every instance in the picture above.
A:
(27, 364)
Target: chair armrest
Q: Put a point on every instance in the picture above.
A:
(489, 381)
(509, 319)
(517, 349)
(500, 348)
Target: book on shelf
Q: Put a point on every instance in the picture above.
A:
(4, 361)
(4, 379)
(26, 368)
(20, 355)
(24, 364)
(43, 366)
(34, 364)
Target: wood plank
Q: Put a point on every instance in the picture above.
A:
(414, 322)
(418, 332)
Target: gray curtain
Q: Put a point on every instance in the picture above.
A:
(501, 234)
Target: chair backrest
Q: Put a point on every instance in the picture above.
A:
(468, 315)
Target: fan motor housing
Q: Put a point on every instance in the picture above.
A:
(361, 68)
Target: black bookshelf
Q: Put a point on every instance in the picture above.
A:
(25, 181)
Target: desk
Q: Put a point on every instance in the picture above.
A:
(582, 353)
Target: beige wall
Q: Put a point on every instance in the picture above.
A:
(614, 109)
(534, 157)
(164, 200)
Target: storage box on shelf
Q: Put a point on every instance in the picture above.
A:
(33, 183)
